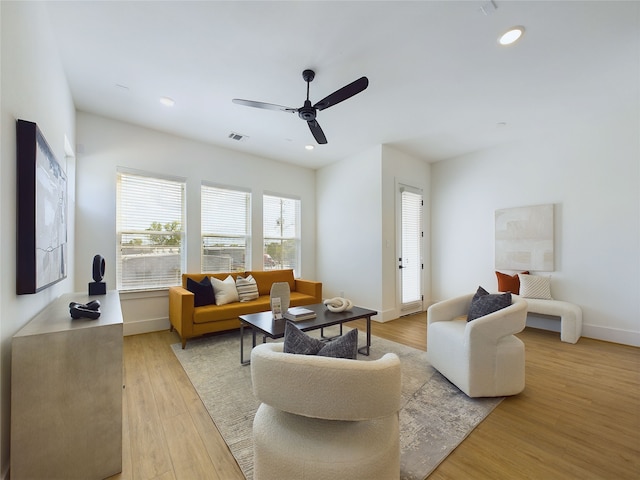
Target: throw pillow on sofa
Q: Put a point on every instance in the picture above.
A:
(247, 288)
(202, 291)
(533, 286)
(483, 303)
(225, 290)
(298, 342)
(509, 283)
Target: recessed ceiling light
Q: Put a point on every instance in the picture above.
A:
(309, 147)
(511, 36)
(167, 102)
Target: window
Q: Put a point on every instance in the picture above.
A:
(150, 230)
(281, 224)
(226, 230)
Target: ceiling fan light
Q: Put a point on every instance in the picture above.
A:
(167, 102)
(511, 36)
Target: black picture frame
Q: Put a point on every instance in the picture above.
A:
(41, 249)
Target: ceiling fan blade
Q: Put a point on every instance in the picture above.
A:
(266, 106)
(342, 94)
(317, 132)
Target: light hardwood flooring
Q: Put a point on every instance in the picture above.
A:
(578, 417)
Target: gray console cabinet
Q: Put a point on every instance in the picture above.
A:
(66, 393)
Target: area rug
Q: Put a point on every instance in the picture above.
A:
(435, 416)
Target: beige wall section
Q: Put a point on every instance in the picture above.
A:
(105, 145)
(33, 87)
(357, 221)
(591, 174)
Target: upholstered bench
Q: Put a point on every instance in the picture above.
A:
(536, 290)
(569, 313)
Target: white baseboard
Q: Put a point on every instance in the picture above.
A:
(145, 326)
(606, 334)
(614, 335)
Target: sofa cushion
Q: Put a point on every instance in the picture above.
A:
(483, 303)
(509, 283)
(198, 277)
(265, 279)
(298, 342)
(247, 288)
(225, 290)
(202, 291)
(217, 313)
(533, 286)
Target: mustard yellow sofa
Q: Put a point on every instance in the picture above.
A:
(190, 321)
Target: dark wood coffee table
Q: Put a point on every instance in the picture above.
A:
(264, 323)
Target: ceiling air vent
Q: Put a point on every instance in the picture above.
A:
(238, 137)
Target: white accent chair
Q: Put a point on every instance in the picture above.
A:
(325, 418)
(482, 358)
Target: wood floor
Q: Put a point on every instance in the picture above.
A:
(578, 418)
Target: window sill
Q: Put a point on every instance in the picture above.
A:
(150, 293)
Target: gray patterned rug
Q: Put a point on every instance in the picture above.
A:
(434, 419)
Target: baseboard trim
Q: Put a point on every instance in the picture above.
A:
(145, 326)
(596, 332)
(614, 335)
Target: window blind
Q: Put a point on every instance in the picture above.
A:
(225, 229)
(150, 231)
(411, 248)
(281, 232)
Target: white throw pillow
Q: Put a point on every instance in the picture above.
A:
(534, 286)
(247, 288)
(225, 290)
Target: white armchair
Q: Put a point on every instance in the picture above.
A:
(325, 418)
(482, 358)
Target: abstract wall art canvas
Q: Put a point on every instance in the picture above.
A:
(524, 238)
(41, 251)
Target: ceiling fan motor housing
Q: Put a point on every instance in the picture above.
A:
(307, 112)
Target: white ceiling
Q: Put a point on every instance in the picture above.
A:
(439, 84)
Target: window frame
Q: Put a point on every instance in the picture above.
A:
(294, 239)
(151, 283)
(246, 236)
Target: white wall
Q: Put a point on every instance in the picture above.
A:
(591, 174)
(33, 87)
(104, 145)
(357, 221)
(349, 247)
(400, 168)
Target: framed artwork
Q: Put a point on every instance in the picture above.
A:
(41, 251)
(524, 238)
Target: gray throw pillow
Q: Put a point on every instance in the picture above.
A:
(483, 303)
(296, 341)
(345, 346)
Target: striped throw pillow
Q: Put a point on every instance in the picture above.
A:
(533, 286)
(247, 288)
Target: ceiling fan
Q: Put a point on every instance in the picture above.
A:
(308, 112)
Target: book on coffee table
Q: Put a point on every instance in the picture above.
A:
(297, 314)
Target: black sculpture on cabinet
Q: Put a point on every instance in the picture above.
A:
(98, 287)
